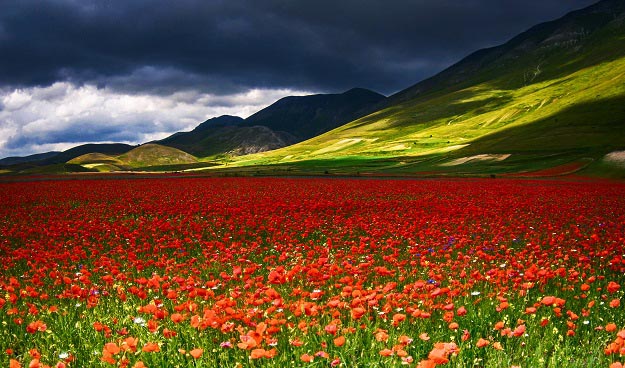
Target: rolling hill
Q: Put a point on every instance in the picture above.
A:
(155, 155)
(554, 95)
(147, 157)
(58, 162)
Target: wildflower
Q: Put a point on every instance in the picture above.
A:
(404, 340)
(613, 287)
(262, 353)
(151, 347)
(339, 341)
(112, 348)
(177, 317)
(548, 300)
(461, 311)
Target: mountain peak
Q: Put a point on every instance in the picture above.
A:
(307, 116)
(220, 121)
(358, 91)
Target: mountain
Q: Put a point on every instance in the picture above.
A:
(553, 95)
(14, 160)
(221, 121)
(307, 116)
(549, 50)
(224, 134)
(231, 140)
(287, 121)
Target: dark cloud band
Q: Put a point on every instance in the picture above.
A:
(227, 46)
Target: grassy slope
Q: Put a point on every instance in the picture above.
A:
(146, 157)
(155, 155)
(574, 110)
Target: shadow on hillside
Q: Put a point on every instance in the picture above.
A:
(431, 113)
(597, 126)
(589, 40)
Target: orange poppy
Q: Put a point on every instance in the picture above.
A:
(151, 347)
(339, 341)
(111, 348)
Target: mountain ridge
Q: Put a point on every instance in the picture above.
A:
(541, 32)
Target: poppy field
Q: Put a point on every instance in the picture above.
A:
(268, 272)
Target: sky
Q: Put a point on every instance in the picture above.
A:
(131, 71)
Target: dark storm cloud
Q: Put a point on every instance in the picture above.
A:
(226, 46)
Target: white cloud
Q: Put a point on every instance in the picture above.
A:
(64, 115)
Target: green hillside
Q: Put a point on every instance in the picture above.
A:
(99, 162)
(155, 155)
(551, 96)
(145, 157)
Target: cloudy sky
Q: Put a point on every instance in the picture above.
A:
(78, 71)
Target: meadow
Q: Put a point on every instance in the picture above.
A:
(316, 272)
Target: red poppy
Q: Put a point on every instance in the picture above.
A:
(613, 287)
